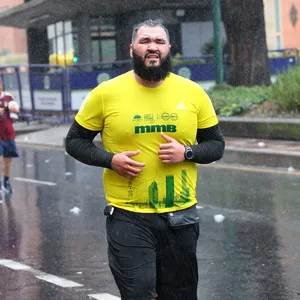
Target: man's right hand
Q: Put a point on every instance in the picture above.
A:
(125, 166)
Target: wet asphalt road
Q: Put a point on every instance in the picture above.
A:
(55, 226)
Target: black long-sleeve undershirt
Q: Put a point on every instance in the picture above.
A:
(79, 144)
(210, 147)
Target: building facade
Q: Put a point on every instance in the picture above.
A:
(66, 33)
(282, 19)
(62, 32)
(13, 40)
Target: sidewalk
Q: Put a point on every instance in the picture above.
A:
(37, 133)
(258, 152)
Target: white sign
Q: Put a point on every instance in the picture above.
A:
(77, 98)
(47, 82)
(48, 100)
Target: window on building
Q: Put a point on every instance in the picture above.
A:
(61, 43)
(103, 35)
(59, 28)
(108, 50)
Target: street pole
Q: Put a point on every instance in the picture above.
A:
(218, 48)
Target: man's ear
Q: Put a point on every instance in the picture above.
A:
(130, 50)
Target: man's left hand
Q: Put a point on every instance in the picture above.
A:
(172, 152)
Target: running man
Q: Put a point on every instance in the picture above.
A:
(150, 120)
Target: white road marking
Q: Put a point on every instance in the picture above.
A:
(62, 282)
(40, 275)
(103, 297)
(65, 283)
(35, 181)
(14, 265)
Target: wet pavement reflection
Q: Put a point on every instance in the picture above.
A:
(54, 224)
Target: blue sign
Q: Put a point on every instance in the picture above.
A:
(48, 81)
(196, 72)
(89, 80)
(281, 64)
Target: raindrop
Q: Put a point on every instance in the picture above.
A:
(29, 165)
(291, 169)
(47, 160)
(219, 218)
(75, 210)
(68, 173)
(26, 139)
(261, 144)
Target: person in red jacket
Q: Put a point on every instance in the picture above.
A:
(8, 148)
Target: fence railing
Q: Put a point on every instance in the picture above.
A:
(286, 52)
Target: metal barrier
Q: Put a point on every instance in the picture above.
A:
(286, 52)
(56, 93)
(84, 77)
(39, 90)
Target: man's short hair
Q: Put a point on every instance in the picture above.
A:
(148, 23)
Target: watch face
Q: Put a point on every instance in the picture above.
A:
(189, 153)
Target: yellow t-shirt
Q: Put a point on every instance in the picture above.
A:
(130, 117)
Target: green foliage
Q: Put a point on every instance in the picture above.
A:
(231, 101)
(286, 90)
(283, 97)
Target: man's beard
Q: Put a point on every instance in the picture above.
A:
(151, 73)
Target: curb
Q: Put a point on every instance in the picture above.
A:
(262, 158)
(258, 128)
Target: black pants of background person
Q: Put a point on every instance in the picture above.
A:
(149, 259)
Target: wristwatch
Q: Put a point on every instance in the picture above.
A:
(188, 154)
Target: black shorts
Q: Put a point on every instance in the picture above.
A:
(150, 260)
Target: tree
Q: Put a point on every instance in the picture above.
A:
(247, 61)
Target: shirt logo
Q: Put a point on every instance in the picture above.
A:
(181, 106)
(154, 128)
(137, 117)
